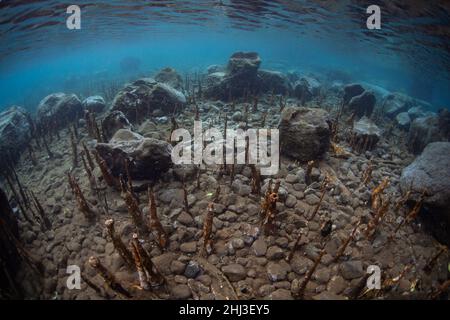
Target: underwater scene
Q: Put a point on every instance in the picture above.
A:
(224, 150)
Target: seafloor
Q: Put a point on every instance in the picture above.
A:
(329, 202)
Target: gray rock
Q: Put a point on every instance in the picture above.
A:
(181, 292)
(259, 247)
(94, 104)
(273, 81)
(274, 253)
(234, 272)
(403, 120)
(352, 90)
(192, 269)
(114, 121)
(14, 131)
(428, 129)
(304, 133)
(291, 201)
(237, 116)
(240, 77)
(280, 294)
(215, 68)
(188, 247)
(144, 96)
(149, 158)
(396, 103)
(351, 270)
(178, 267)
(170, 77)
(59, 109)
(306, 88)
(326, 295)
(431, 172)
(185, 218)
(363, 104)
(277, 271)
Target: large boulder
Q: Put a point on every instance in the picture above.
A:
(244, 63)
(304, 132)
(430, 173)
(114, 121)
(144, 96)
(306, 88)
(94, 104)
(170, 77)
(428, 129)
(14, 131)
(362, 104)
(58, 109)
(365, 135)
(240, 77)
(396, 103)
(149, 158)
(273, 81)
(352, 90)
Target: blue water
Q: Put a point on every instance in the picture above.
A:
(39, 55)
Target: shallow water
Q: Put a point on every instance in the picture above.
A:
(357, 177)
(39, 55)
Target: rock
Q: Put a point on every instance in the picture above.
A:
(149, 158)
(351, 270)
(292, 178)
(274, 253)
(178, 267)
(403, 120)
(188, 247)
(259, 247)
(363, 104)
(326, 295)
(185, 218)
(170, 77)
(280, 294)
(237, 116)
(300, 264)
(428, 129)
(306, 88)
(322, 276)
(234, 272)
(59, 109)
(185, 172)
(192, 269)
(396, 103)
(291, 201)
(337, 284)
(94, 104)
(352, 90)
(164, 261)
(240, 77)
(304, 133)
(181, 292)
(273, 81)
(14, 131)
(365, 135)
(114, 121)
(277, 271)
(144, 96)
(242, 63)
(431, 172)
(214, 68)
(415, 112)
